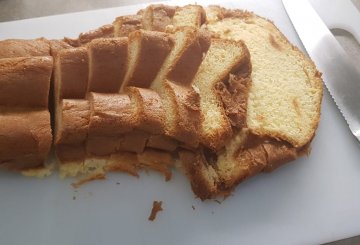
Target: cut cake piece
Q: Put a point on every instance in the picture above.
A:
(224, 57)
(72, 122)
(157, 17)
(124, 25)
(107, 64)
(111, 114)
(173, 83)
(25, 81)
(189, 15)
(71, 74)
(146, 54)
(25, 138)
(285, 97)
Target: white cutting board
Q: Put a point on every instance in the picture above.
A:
(312, 200)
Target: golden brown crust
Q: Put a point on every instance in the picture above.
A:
(107, 64)
(185, 68)
(111, 114)
(189, 15)
(106, 31)
(156, 160)
(12, 48)
(102, 145)
(70, 153)
(203, 185)
(123, 162)
(133, 141)
(157, 17)
(186, 100)
(153, 49)
(71, 73)
(150, 113)
(57, 45)
(25, 139)
(162, 142)
(25, 81)
(124, 25)
(73, 122)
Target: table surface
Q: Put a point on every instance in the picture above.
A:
(24, 9)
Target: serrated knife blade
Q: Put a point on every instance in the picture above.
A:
(340, 75)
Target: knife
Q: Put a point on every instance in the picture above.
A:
(341, 76)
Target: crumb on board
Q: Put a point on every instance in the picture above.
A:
(74, 197)
(155, 209)
(40, 173)
(217, 201)
(118, 183)
(99, 176)
(193, 207)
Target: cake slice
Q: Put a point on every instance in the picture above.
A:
(25, 81)
(124, 25)
(157, 17)
(224, 57)
(111, 114)
(25, 139)
(173, 83)
(107, 64)
(72, 122)
(147, 52)
(189, 15)
(149, 116)
(71, 74)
